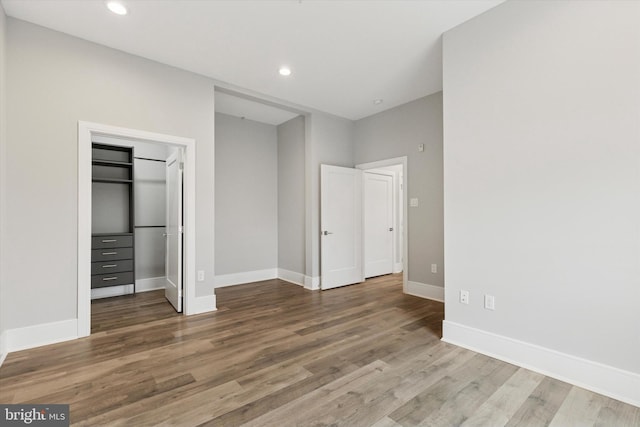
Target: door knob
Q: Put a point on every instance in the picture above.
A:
(326, 233)
(390, 228)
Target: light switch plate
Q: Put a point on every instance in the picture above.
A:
(413, 202)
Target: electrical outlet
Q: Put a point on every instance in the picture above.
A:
(413, 202)
(421, 147)
(489, 302)
(200, 275)
(464, 297)
(434, 268)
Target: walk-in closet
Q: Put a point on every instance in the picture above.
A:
(129, 214)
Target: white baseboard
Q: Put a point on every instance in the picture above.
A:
(204, 304)
(245, 277)
(424, 290)
(600, 378)
(151, 284)
(291, 276)
(142, 285)
(3, 347)
(111, 291)
(312, 283)
(398, 267)
(38, 335)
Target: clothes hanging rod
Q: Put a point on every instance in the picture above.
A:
(149, 226)
(151, 160)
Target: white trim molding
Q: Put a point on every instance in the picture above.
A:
(151, 284)
(85, 132)
(142, 285)
(291, 276)
(204, 304)
(3, 347)
(111, 291)
(398, 267)
(600, 378)
(312, 283)
(42, 334)
(245, 277)
(424, 290)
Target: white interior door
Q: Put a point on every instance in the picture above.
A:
(341, 225)
(378, 224)
(173, 233)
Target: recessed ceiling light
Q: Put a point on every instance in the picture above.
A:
(377, 101)
(285, 71)
(117, 7)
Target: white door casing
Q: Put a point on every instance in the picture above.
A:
(402, 213)
(85, 132)
(378, 224)
(173, 232)
(341, 226)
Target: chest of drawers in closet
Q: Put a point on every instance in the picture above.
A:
(111, 260)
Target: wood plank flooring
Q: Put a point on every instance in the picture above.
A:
(275, 354)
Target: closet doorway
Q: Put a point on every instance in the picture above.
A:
(161, 228)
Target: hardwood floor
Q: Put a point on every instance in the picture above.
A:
(119, 312)
(275, 354)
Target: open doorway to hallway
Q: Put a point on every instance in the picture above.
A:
(384, 217)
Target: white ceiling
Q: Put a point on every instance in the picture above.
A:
(344, 54)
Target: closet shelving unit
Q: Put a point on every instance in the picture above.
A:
(112, 238)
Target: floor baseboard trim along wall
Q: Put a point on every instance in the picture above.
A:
(205, 304)
(245, 277)
(39, 335)
(150, 284)
(142, 285)
(312, 283)
(291, 276)
(424, 290)
(607, 380)
(3, 347)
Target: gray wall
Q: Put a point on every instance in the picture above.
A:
(541, 108)
(246, 195)
(398, 132)
(3, 298)
(329, 140)
(53, 81)
(291, 231)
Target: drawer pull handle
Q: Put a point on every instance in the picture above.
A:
(110, 266)
(109, 278)
(109, 253)
(109, 240)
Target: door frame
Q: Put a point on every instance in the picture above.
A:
(405, 232)
(85, 132)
